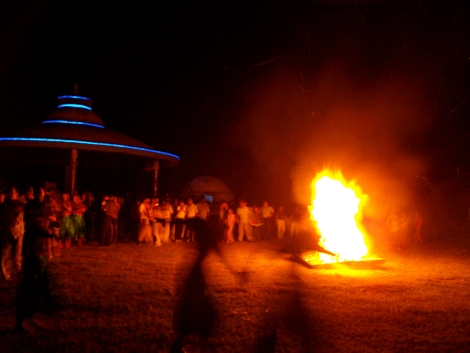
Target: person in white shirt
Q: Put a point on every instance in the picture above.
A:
(203, 210)
(244, 226)
(181, 211)
(191, 213)
(267, 213)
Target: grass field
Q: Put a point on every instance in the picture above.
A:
(121, 298)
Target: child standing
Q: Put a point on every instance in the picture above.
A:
(230, 220)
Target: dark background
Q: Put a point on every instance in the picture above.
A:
(261, 94)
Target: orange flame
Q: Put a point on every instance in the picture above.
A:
(336, 211)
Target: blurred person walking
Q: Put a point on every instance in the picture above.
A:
(12, 234)
(195, 311)
(36, 276)
(281, 219)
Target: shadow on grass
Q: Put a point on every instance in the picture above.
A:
(292, 315)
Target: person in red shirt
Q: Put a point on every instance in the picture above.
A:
(115, 217)
(78, 211)
(67, 229)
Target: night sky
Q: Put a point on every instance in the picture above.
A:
(260, 94)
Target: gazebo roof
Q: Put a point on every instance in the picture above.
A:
(74, 125)
(208, 185)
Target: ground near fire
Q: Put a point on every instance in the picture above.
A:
(121, 298)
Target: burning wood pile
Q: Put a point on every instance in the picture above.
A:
(337, 212)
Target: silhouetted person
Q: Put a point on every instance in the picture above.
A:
(293, 312)
(296, 317)
(12, 224)
(108, 207)
(35, 269)
(195, 311)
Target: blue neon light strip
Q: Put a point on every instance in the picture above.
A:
(73, 97)
(40, 139)
(69, 105)
(70, 122)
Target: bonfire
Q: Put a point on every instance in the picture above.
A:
(336, 213)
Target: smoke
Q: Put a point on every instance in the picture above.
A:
(364, 97)
(364, 127)
(364, 130)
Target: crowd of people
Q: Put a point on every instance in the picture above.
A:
(259, 223)
(165, 222)
(64, 219)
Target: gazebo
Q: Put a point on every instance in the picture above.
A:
(210, 187)
(75, 127)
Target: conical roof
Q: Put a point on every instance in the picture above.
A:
(210, 186)
(74, 125)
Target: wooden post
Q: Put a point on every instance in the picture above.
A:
(156, 167)
(73, 170)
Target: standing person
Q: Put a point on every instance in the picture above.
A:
(90, 215)
(191, 213)
(295, 223)
(244, 226)
(223, 211)
(115, 217)
(267, 213)
(122, 217)
(281, 218)
(203, 210)
(181, 212)
(13, 234)
(156, 221)
(173, 220)
(145, 229)
(55, 224)
(256, 222)
(135, 220)
(106, 231)
(168, 213)
(67, 228)
(78, 211)
(230, 220)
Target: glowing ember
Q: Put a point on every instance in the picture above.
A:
(336, 210)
